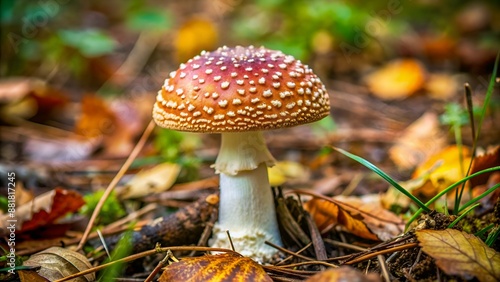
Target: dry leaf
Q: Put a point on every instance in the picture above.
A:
(342, 274)
(286, 170)
(46, 208)
(30, 276)
(150, 181)
(490, 159)
(366, 220)
(99, 120)
(460, 253)
(220, 268)
(419, 141)
(441, 86)
(57, 263)
(448, 171)
(194, 36)
(397, 80)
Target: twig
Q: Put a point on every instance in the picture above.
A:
(158, 267)
(141, 255)
(381, 252)
(291, 256)
(138, 147)
(383, 268)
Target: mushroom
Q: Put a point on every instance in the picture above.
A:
(239, 92)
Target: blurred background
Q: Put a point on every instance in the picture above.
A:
(79, 78)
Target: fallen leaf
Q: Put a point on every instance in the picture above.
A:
(195, 35)
(343, 273)
(57, 263)
(150, 181)
(366, 220)
(448, 171)
(460, 253)
(223, 267)
(393, 199)
(419, 141)
(98, 119)
(490, 159)
(26, 97)
(397, 80)
(285, 171)
(441, 86)
(30, 276)
(46, 209)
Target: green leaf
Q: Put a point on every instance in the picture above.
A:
(149, 20)
(90, 42)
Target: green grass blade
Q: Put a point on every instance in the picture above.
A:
(448, 189)
(462, 216)
(472, 201)
(384, 175)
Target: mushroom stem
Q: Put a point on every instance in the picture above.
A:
(241, 151)
(246, 206)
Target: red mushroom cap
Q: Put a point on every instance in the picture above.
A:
(240, 89)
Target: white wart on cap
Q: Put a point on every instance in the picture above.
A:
(240, 89)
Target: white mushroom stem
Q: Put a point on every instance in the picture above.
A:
(246, 206)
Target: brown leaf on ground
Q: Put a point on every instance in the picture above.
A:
(490, 159)
(57, 263)
(46, 208)
(397, 80)
(419, 141)
(223, 267)
(365, 220)
(99, 119)
(460, 253)
(27, 97)
(343, 273)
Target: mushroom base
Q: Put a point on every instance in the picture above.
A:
(247, 211)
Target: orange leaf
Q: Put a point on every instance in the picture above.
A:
(194, 36)
(485, 161)
(46, 208)
(223, 267)
(460, 253)
(397, 80)
(96, 119)
(364, 220)
(420, 140)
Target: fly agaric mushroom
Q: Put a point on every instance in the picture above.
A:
(239, 92)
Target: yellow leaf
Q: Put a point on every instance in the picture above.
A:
(194, 36)
(397, 80)
(286, 170)
(151, 181)
(449, 169)
(460, 253)
(212, 268)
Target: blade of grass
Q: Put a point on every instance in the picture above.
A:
(386, 177)
(486, 103)
(462, 216)
(484, 194)
(492, 237)
(448, 189)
